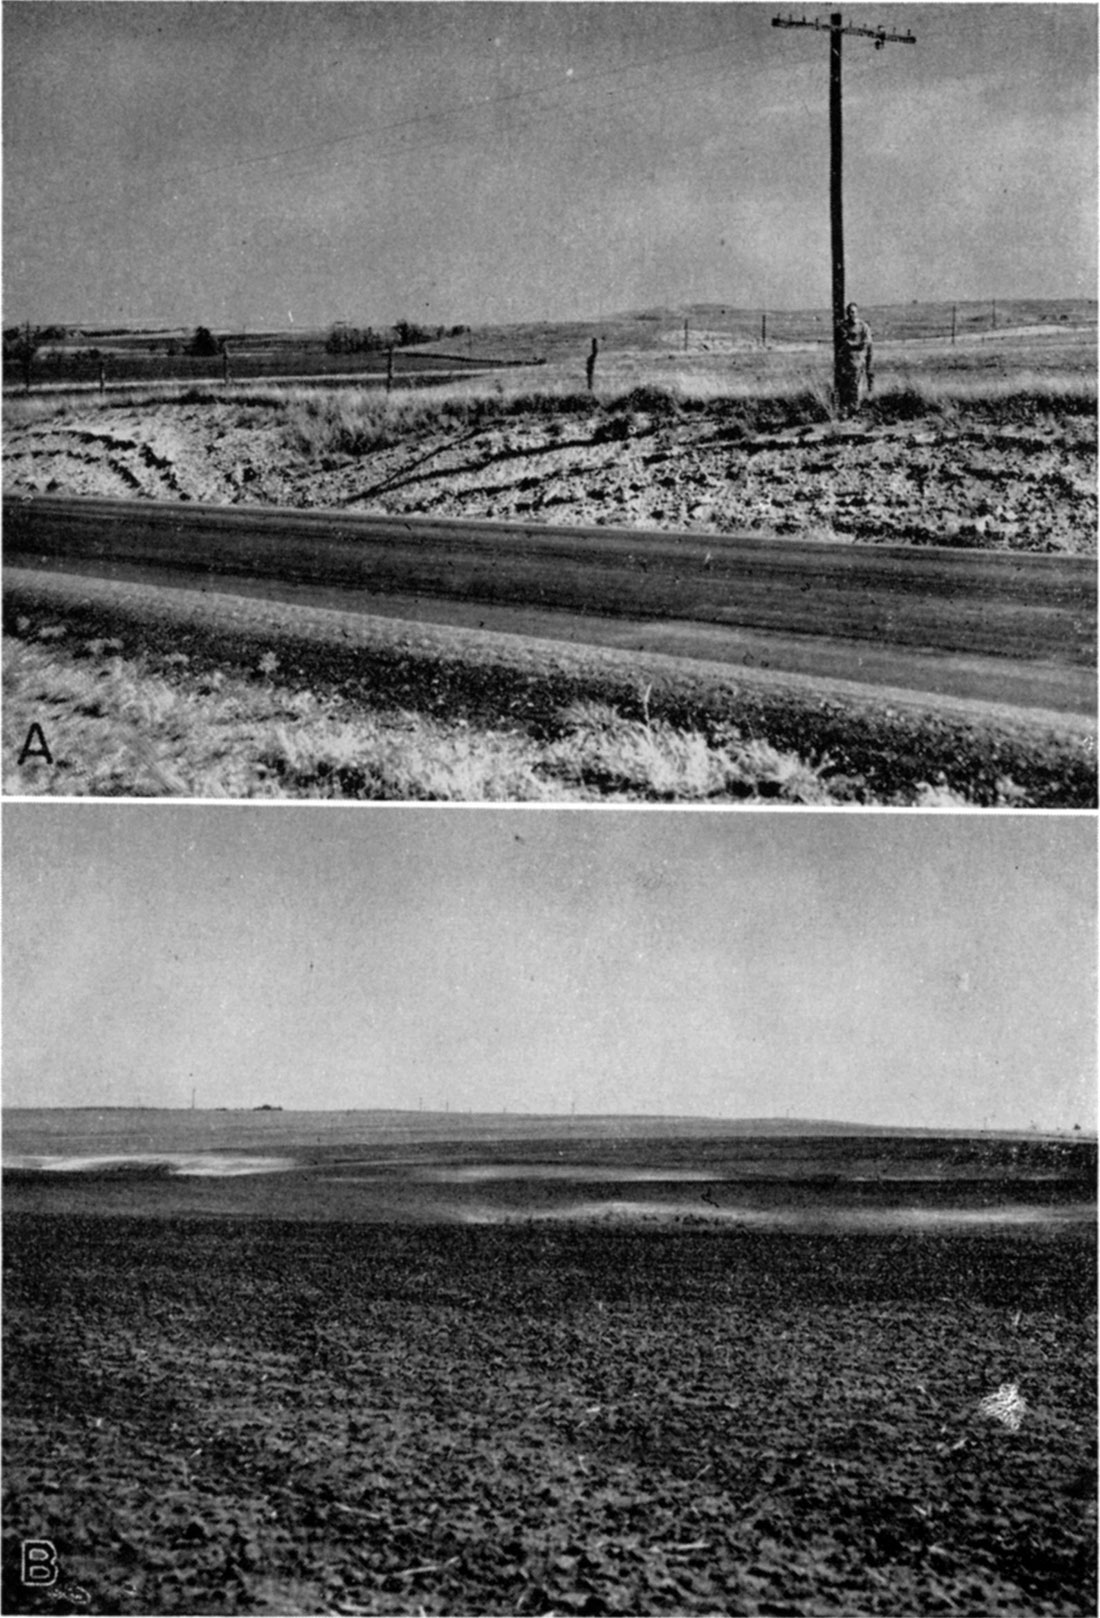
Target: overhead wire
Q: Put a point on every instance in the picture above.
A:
(960, 25)
(592, 113)
(478, 105)
(586, 114)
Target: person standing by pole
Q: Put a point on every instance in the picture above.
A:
(856, 362)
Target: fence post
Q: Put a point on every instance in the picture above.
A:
(953, 312)
(225, 365)
(764, 329)
(685, 336)
(389, 368)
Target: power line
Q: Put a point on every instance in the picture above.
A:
(479, 105)
(833, 27)
(641, 96)
(836, 29)
(591, 112)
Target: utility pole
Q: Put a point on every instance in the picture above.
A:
(836, 30)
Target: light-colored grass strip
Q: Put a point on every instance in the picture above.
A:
(767, 389)
(118, 726)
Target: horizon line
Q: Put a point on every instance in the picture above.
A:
(260, 328)
(570, 1117)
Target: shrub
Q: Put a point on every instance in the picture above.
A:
(351, 340)
(407, 333)
(651, 399)
(204, 345)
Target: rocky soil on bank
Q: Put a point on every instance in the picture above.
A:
(949, 478)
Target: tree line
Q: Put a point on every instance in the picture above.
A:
(345, 339)
(22, 343)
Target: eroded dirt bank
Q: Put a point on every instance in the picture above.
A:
(1027, 484)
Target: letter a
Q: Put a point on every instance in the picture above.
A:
(35, 745)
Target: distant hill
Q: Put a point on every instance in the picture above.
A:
(725, 326)
(664, 332)
(44, 1129)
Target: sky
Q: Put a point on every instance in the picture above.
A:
(277, 165)
(922, 970)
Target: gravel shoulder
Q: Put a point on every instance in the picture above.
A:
(865, 745)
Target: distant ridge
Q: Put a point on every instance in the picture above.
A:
(382, 1121)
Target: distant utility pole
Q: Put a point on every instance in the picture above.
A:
(836, 30)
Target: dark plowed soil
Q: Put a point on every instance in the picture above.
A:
(212, 1416)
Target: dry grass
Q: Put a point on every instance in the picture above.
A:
(118, 726)
(356, 423)
(765, 388)
(152, 727)
(655, 760)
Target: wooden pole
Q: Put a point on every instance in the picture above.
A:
(764, 329)
(837, 31)
(953, 313)
(389, 368)
(685, 336)
(836, 194)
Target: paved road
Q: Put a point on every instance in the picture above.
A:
(1011, 628)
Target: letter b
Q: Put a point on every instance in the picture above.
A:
(39, 1563)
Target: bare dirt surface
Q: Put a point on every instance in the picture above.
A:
(545, 1419)
(399, 1362)
(961, 480)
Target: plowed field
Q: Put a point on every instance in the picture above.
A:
(211, 1415)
